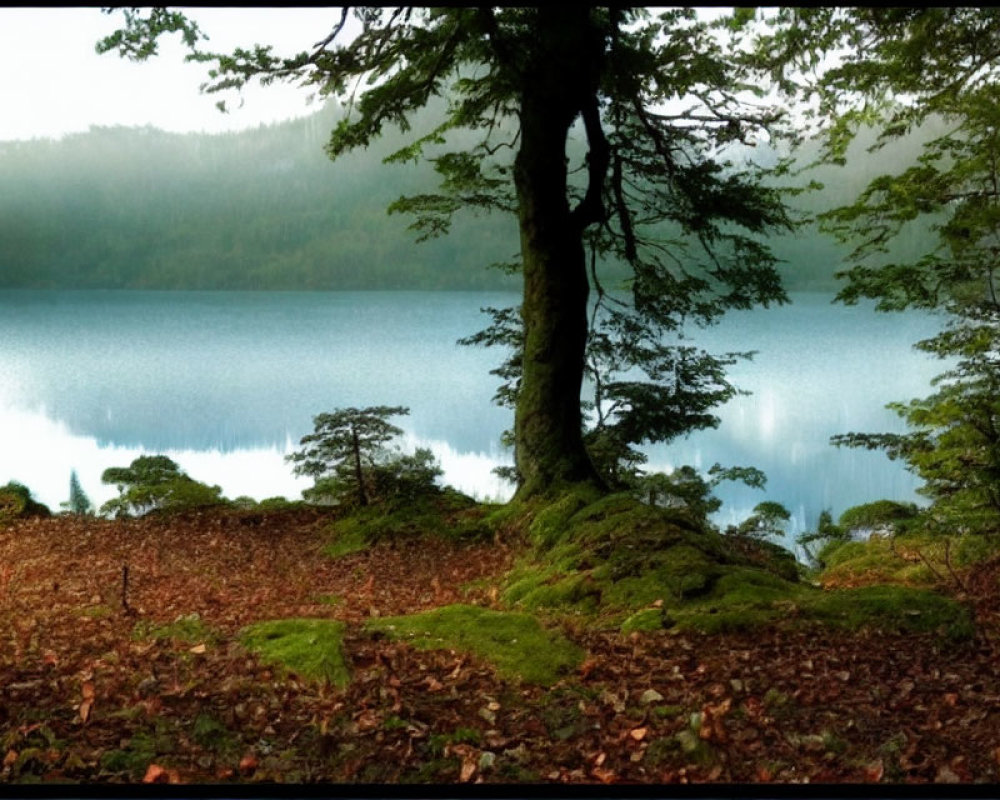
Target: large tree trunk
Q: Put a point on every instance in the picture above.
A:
(548, 431)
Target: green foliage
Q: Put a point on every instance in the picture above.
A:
(767, 519)
(881, 515)
(686, 488)
(310, 648)
(741, 599)
(906, 70)
(648, 619)
(765, 555)
(347, 457)
(677, 574)
(279, 504)
(617, 554)
(16, 502)
(917, 557)
(406, 477)
(745, 599)
(516, 644)
(156, 483)
(78, 502)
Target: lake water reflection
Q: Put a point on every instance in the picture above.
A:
(226, 383)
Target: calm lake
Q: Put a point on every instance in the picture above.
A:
(226, 383)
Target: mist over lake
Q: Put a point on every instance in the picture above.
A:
(227, 383)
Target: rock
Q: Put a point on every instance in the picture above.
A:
(650, 696)
(946, 775)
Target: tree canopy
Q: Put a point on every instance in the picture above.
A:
(152, 483)
(349, 458)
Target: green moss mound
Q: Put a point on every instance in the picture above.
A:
(592, 554)
(746, 599)
(899, 609)
(447, 513)
(515, 644)
(311, 648)
(915, 558)
(742, 599)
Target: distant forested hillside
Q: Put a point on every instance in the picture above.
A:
(139, 208)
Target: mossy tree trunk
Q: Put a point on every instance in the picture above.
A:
(548, 429)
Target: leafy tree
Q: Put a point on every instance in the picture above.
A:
(768, 519)
(935, 71)
(685, 487)
(407, 476)
(616, 136)
(347, 457)
(78, 502)
(152, 483)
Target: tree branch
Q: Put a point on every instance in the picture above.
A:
(591, 209)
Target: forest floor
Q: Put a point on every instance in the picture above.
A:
(94, 689)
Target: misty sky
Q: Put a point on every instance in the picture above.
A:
(52, 81)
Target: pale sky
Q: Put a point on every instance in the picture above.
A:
(52, 81)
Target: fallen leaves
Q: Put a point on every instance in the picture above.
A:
(874, 771)
(157, 774)
(87, 690)
(712, 716)
(766, 707)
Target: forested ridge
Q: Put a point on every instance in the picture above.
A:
(140, 208)
(266, 209)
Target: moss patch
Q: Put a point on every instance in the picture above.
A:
(211, 734)
(676, 574)
(348, 537)
(891, 608)
(311, 648)
(649, 619)
(145, 747)
(900, 559)
(516, 644)
(187, 628)
(449, 514)
(591, 553)
(744, 599)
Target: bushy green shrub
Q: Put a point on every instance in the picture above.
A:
(16, 502)
(153, 483)
(880, 516)
(350, 463)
